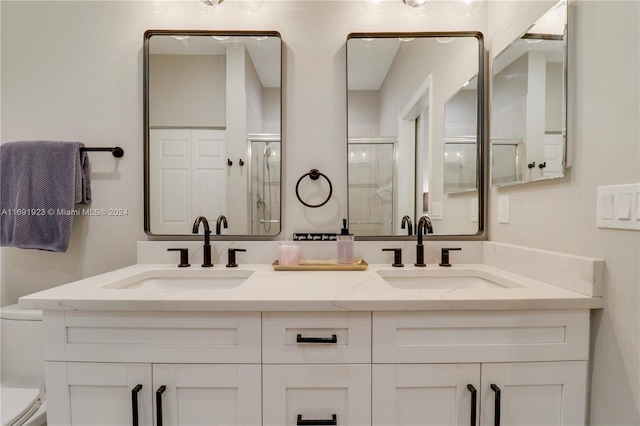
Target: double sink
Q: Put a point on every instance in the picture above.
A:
(403, 279)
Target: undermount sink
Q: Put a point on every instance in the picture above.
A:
(182, 279)
(448, 279)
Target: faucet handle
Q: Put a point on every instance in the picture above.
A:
(184, 256)
(397, 256)
(444, 260)
(231, 257)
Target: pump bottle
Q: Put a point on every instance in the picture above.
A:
(345, 245)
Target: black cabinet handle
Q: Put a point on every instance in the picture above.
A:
(134, 404)
(159, 393)
(333, 421)
(332, 339)
(496, 415)
(474, 400)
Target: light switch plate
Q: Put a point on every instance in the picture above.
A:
(436, 208)
(503, 209)
(618, 207)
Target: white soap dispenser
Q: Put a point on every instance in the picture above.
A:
(345, 245)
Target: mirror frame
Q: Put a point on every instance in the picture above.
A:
(146, 170)
(482, 152)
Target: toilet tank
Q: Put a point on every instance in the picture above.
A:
(22, 338)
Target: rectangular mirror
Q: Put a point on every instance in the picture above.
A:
(212, 115)
(415, 133)
(528, 103)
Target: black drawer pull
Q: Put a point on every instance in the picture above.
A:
(474, 402)
(134, 404)
(159, 393)
(332, 339)
(333, 421)
(498, 395)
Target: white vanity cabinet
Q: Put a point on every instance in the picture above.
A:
(304, 368)
(128, 368)
(480, 368)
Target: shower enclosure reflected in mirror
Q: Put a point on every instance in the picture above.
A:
(528, 102)
(415, 133)
(265, 157)
(212, 131)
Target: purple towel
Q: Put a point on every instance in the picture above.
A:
(40, 183)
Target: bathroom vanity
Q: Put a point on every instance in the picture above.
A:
(470, 344)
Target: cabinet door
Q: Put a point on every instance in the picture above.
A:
(207, 394)
(425, 394)
(300, 394)
(86, 394)
(537, 393)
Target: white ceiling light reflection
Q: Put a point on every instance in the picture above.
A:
(468, 7)
(419, 7)
(250, 6)
(206, 6)
(159, 6)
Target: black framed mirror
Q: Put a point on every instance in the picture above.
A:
(416, 134)
(212, 131)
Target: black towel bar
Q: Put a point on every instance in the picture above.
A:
(115, 151)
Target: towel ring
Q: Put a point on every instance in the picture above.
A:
(314, 174)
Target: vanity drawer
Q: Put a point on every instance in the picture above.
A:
(337, 394)
(480, 336)
(186, 337)
(316, 337)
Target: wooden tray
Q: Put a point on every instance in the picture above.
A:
(322, 265)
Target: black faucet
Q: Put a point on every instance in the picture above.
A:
(428, 224)
(231, 257)
(423, 228)
(406, 221)
(222, 220)
(397, 256)
(207, 241)
(445, 256)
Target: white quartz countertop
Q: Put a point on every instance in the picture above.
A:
(269, 290)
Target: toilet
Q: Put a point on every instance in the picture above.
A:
(22, 392)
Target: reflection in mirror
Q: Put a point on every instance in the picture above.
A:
(460, 140)
(212, 131)
(528, 103)
(415, 132)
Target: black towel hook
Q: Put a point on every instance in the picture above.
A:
(314, 174)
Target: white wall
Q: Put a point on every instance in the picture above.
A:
(73, 71)
(561, 215)
(177, 88)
